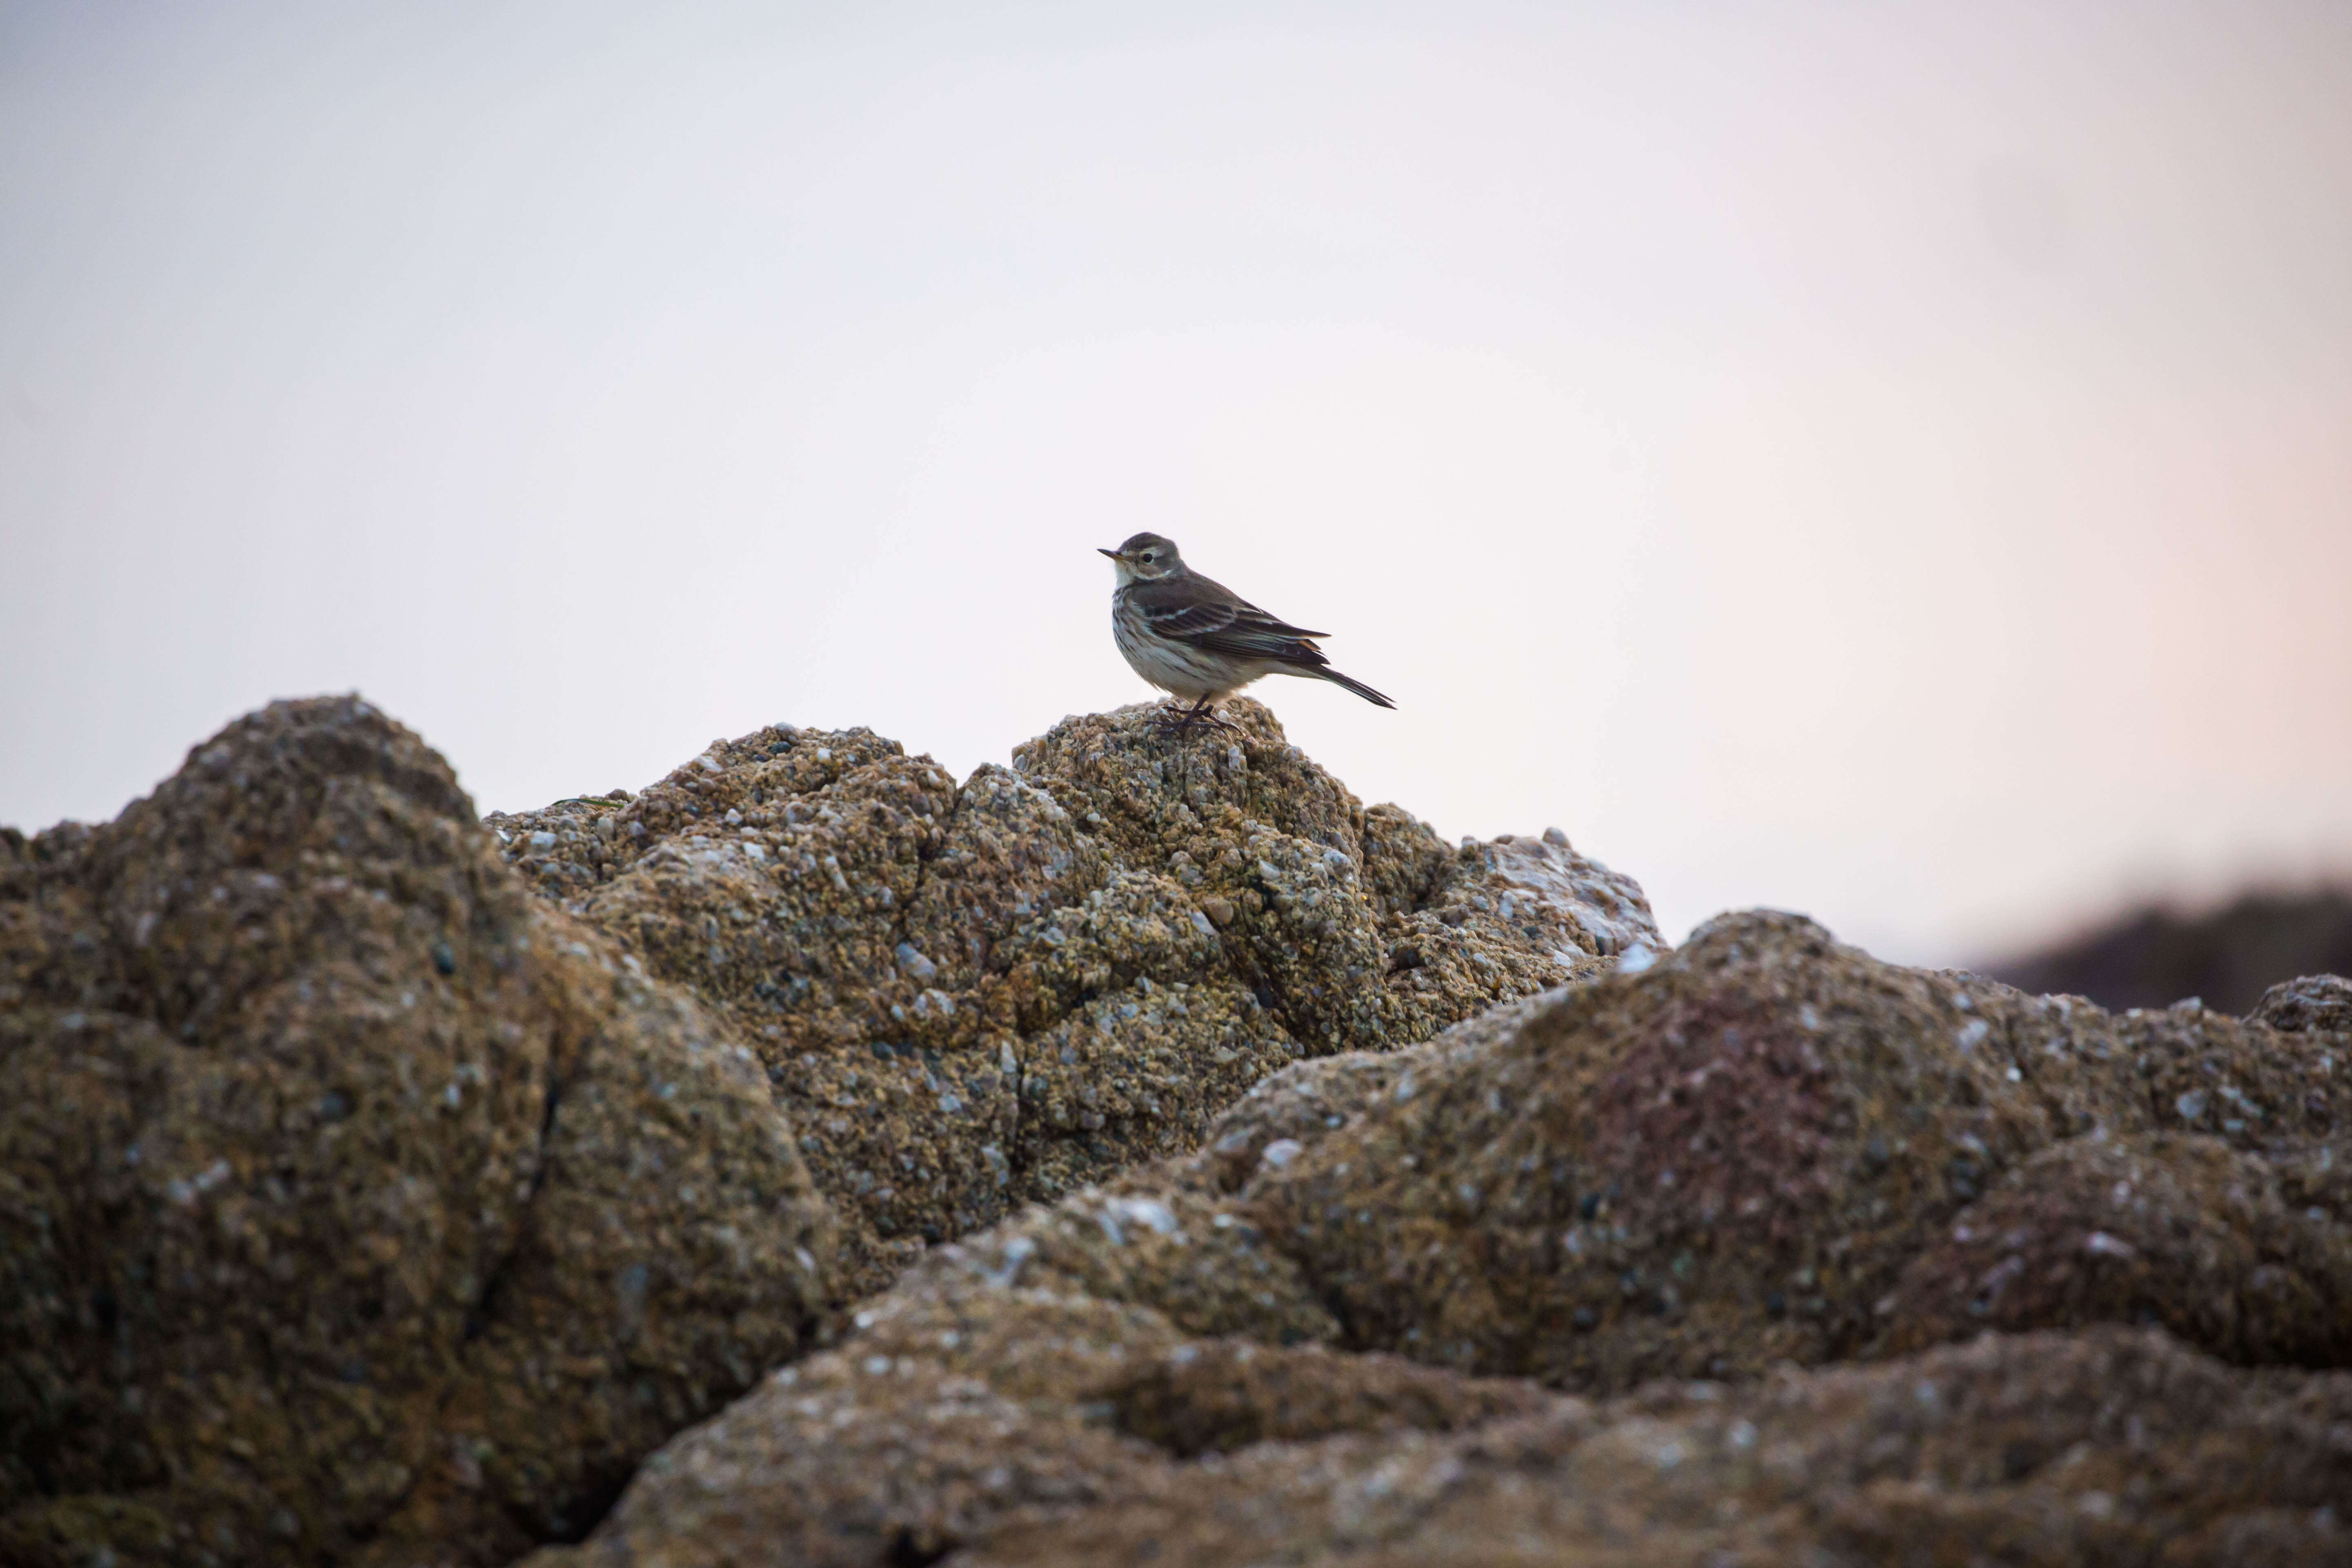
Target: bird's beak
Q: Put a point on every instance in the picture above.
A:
(1114, 555)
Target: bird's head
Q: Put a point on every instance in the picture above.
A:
(1145, 557)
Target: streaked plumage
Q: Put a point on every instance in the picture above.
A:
(1196, 638)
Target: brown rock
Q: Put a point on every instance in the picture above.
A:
(2319, 1003)
(352, 1202)
(1220, 1395)
(2109, 1447)
(993, 1410)
(1731, 1160)
(1762, 1152)
(2168, 1227)
(355, 1205)
(974, 998)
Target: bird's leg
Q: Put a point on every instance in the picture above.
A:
(1174, 724)
(1204, 714)
(1201, 715)
(1209, 717)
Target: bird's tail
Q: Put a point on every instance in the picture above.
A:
(1358, 687)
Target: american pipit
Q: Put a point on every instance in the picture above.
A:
(1194, 638)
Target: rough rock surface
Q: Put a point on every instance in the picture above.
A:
(972, 997)
(1363, 1320)
(353, 1205)
(357, 1206)
(1734, 1158)
(2113, 1447)
(2318, 1003)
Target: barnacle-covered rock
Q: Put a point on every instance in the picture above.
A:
(2047, 1450)
(2320, 1002)
(1364, 1316)
(2168, 1227)
(357, 1207)
(351, 1199)
(973, 998)
(1130, 1378)
(1733, 1159)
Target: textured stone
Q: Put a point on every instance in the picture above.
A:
(1731, 1160)
(351, 1201)
(2167, 1227)
(2319, 1003)
(357, 1206)
(1364, 1318)
(973, 998)
(2111, 1447)
(993, 1409)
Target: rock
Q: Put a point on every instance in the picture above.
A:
(974, 997)
(2319, 1003)
(1393, 1200)
(2164, 1227)
(1001, 1407)
(1731, 1159)
(355, 1206)
(2051, 1449)
(1366, 1313)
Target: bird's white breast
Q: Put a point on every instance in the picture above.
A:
(1174, 667)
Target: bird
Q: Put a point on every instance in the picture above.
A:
(1193, 637)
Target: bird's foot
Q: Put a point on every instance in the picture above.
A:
(1178, 724)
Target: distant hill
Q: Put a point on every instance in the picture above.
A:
(2226, 958)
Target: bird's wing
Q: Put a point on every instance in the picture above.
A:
(1213, 618)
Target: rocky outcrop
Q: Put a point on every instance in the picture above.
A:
(2112, 1446)
(353, 1205)
(1757, 1150)
(356, 1205)
(973, 997)
(1385, 1200)
(1364, 1319)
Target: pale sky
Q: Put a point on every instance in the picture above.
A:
(1892, 461)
